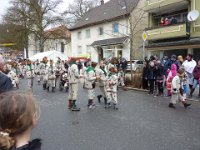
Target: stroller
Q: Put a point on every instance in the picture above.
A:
(64, 83)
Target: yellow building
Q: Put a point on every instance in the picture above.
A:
(169, 31)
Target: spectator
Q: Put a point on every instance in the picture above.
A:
(66, 65)
(180, 61)
(159, 77)
(167, 22)
(173, 21)
(151, 76)
(189, 65)
(18, 121)
(196, 74)
(144, 76)
(165, 63)
(79, 65)
(5, 81)
(173, 60)
(162, 21)
(123, 64)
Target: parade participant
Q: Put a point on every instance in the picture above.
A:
(112, 83)
(37, 70)
(17, 122)
(44, 72)
(171, 75)
(110, 64)
(177, 90)
(102, 75)
(22, 68)
(64, 83)
(189, 66)
(73, 77)
(184, 80)
(15, 68)
(51, 81)
(121, 76)
(90, 78)
(14, 78)
(30, 73)
(58, 69)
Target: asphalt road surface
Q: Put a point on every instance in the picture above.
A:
(141, 123)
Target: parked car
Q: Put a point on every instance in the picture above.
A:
(136, 64)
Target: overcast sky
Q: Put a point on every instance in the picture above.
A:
(5, 3)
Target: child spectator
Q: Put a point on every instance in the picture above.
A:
(171, 75)
(19, 114)
(177, 89)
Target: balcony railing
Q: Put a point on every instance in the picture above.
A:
(156, 5)
(167, 32)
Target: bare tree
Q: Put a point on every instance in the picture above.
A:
(16, 15)
(136, 23)
(77, 9)
(35, 16)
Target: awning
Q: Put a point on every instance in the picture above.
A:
(112, 41)
(86, 55)
(192, 41)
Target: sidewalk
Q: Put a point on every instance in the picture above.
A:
(194, 98)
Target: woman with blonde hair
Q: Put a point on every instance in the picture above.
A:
(19, 114)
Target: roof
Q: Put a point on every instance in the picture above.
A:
(112, 10)
(113, 41)
(60, 32)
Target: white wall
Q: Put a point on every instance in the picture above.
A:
(94, 32)
(55, 44)
(50, 44)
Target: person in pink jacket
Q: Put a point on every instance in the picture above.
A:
(171, 75)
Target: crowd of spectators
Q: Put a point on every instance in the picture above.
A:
(158, 74)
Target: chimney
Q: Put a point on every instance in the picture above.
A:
(102, 2)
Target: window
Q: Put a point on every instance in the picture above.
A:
(115, 27)
(79, 49)
(88, 33)
(100, 30)
(79, 35)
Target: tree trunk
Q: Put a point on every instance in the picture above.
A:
(27, 51)
(131, 51)
(41, 45)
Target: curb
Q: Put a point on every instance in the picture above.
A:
(141, 90)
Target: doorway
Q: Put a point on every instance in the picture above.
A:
(100, 53)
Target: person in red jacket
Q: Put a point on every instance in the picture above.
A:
(196, 74)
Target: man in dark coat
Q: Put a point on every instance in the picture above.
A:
(5, 83)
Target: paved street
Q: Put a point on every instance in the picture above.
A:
(141, 123)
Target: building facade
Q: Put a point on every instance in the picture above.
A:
(169, 31)
(104, 31)
(58, 39)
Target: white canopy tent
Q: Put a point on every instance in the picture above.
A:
(53, 55)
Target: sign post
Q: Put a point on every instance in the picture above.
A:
(144, 37)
